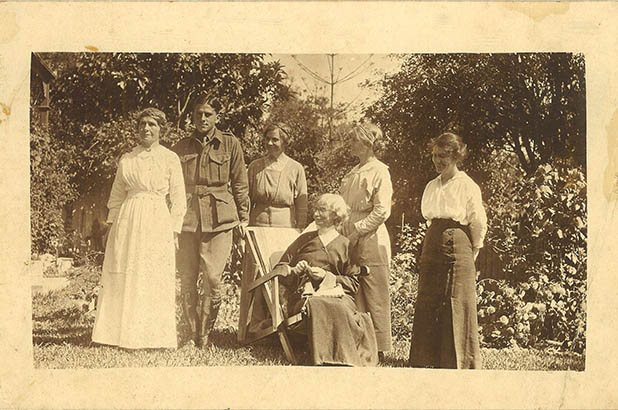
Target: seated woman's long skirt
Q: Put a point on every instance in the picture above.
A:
(445, 330)
(339, 334)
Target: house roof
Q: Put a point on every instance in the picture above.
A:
(39, 64)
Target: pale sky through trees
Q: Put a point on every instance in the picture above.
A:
(351, 70)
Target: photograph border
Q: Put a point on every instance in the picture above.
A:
(346, 27)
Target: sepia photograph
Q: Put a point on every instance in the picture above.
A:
(308, 205)
(405, 210)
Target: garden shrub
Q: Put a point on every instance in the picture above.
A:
(531, 313)
(538, 227)
(50, 190)
(538, 224)
(404, 280)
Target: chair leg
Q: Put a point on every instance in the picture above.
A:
(245, 298)
(287, 346)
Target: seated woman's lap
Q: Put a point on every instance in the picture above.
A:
(338, 333)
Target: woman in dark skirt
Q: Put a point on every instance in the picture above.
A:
(445, 331)
(338, 334)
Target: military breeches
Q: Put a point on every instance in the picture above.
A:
(200, 261)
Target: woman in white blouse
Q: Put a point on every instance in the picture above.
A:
(136, 307)
(445, 330)
(368, 191)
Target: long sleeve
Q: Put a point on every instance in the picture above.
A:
(346, 273)
(381, 200)
(475, 214)
(301, 201)
(239, 181)
(251, 182)
(117, 195)
(177, 193)
(349, 279)
(284, 266)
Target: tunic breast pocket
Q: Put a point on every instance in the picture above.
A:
(189, 167)
(218, 168)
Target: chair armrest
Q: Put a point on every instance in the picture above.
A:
(364, 270)
(259, 282)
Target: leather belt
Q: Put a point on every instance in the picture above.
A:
(205, 189)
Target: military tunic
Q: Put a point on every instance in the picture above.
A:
(217, 200)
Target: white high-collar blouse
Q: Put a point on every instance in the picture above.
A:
(155, 170)
(458, 199)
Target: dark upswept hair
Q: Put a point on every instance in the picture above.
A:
(285, 132)
(451, 143)
(209, 99)
(155, 114)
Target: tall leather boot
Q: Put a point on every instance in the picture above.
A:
(207, 318)
(189, 312)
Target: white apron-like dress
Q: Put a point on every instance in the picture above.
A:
(136, 306)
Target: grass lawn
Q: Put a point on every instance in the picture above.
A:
(225, 351)
(62, 329)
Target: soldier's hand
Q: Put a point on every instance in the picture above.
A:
(242, 229)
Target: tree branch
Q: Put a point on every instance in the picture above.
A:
(181, 111)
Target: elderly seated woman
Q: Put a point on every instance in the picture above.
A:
(320, 279)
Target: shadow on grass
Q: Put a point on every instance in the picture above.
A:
(74, 335)
(267, 351)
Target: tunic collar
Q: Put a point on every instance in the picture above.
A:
(217, 135)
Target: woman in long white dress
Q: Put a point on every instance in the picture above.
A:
(136, 306)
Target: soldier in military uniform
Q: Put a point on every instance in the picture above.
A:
(217, 202)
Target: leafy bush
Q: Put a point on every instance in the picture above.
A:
(532, 312)
(50, 190)
(538, 224)
(404, 280)
(83, 282)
